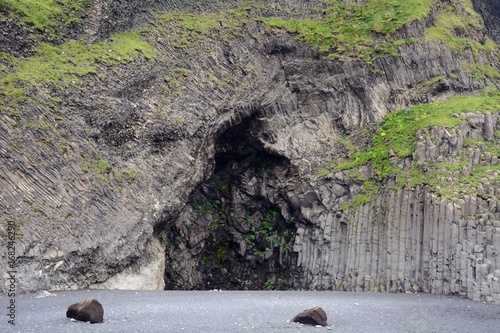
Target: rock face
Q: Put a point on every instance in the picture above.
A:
(89, 310)
(490, 11)
(410, 240)
(146, 274)
(314, 316)
(198, 169)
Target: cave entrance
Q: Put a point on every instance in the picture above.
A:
(246, 228)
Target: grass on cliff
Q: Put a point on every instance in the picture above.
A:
(397, 134)
(102, 170)
(454, 24)
(365, 32)
(46, 15)
(454, 176)
(183, 29)
(396, 138)
(59, 66)
(355, 31)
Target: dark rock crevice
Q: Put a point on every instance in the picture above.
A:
(248, 227)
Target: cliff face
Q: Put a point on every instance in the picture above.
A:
(412, 239)
(196, 162)
(490, 11)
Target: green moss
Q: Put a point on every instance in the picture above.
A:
(324, 172)
(101, 169)
(398, 130)
(222, 251)
(174, 80)
(184, 29)
(368, 194)
(39, 127)
(126, 174)
(480, 72)
(104, 171)
(64, 65)
(479, 176)
(181, 72)
(351, 30)
(450, 178)
(454, 25)
(365, 32)
(454, 22)
(46, 15)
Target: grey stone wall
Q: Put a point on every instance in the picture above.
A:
(411, 240)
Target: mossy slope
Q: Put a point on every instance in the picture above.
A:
(352, 31)
(345, 31)
(46, 15)
(396, 138)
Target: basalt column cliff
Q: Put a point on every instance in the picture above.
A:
(315, 145)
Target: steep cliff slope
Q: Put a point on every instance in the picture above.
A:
(490, 11)
(240, 145)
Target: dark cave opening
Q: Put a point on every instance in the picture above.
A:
(249, 228)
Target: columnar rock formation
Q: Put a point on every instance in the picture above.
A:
(198, 167)
(410, 240)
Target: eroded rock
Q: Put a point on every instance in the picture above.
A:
(314, 316)
(89, 310)
(221, 173)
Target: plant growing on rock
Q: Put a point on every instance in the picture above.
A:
(46, 15)
(353, 31)
(395, 140)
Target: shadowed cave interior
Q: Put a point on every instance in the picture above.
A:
(250, 227)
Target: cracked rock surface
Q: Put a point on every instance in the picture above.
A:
(198, 170)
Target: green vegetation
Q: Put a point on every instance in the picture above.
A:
(272, 283)
(344, 31)
(396, 137)
(398, 130)
(184, 29)
(46, 15)
(454, 23)
(449, 177)
(357, 31)
(366, 32)
(368, 194)
(100, 168)
(126, 174)
(60, 66)
(479, 175)
(103, 170)
(63, 65)
(480, 72)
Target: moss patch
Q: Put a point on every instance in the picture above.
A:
(398, 130)
(63, 65)
(454, 25)
(102, 170)
(455, 177)
(46, 15)
(184, 29)
(357, 31)
(452, 177)
(368, 194)
(366, 32)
